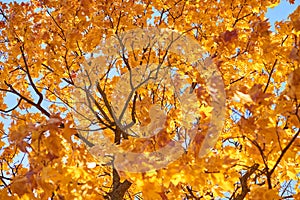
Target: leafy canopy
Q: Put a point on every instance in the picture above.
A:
(59, 144)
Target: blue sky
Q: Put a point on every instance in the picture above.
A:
(282, 11)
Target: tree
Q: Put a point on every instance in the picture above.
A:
(148, 100)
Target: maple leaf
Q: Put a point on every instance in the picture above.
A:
(228, 36)
(294, 55)
(239, 96)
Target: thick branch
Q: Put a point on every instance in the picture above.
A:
(36, 105)
(30, 78)
(119, 188)
(244, 179)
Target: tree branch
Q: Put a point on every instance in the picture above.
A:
(244, 179)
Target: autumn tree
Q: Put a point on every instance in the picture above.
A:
(149, 100)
